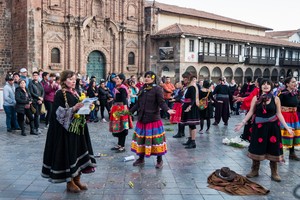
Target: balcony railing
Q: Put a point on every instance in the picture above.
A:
(260, 60)
(289, 62)
(220, 58)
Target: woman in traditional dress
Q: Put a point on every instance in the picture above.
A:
(266, 142)
(190, 110)
(67, 154)
(149, 135)
(205, 113)
(289, 101)
(120, 120)
(246, 135)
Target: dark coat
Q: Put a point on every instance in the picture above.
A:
(36, 90)
(21, 99)
(148, 105)
(103, 94)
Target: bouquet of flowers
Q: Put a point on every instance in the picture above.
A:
(79, 121)
(120, 113)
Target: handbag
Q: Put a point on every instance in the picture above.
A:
(203, 103)
(43, 109)
(32, 108)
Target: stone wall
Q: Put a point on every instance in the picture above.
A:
(5, 39)
(19, 34)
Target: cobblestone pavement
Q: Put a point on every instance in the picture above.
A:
(184, 175)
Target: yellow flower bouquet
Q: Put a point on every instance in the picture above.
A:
(78, 121)
(120, 113)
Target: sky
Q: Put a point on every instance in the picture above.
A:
(275, 14)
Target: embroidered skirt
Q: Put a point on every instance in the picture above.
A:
(292, 120)
(266, 142)
(176, 118)
(149, 139)
(119, 123)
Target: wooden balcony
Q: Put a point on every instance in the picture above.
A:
(289, 62)
(260, 61)
(212, 58)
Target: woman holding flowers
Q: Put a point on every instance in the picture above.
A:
(266, 142)
(289, 101)
(149, 135)
(119, 117)
(68, 149)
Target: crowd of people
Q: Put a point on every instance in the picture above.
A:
(271, 121)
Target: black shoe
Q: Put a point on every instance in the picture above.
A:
(9, 130)
(191, 145)
(226, 124)
(215, 123)
(188, 141)
(178, 135)
(23, 133)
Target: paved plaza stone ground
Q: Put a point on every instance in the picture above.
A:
(184, 175)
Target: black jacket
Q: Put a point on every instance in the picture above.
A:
(21, 99)
(103, 94)
(36, 90)
(148, 105)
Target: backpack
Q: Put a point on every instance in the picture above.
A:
(203, 103)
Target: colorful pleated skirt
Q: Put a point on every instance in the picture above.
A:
(149, 139)
(292, 120)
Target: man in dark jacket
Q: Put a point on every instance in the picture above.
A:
(37, 93)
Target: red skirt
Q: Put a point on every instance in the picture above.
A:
(117, 123)
(176, 118)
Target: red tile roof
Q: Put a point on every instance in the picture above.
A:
(200, 14)
(179, 29)
(282, 33)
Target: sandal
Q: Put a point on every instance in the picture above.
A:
(121, 150)
(115, 148)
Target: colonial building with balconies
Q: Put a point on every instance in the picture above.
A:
(211, 46)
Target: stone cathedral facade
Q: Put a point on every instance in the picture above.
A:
(91, 37)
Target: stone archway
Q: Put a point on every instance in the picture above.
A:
(216, 74)
(296, 74)
(238, 75)
(192, 70)
(204, 73)
(257, 73)
(96, 65)
(266, 73)
(274, 76)
(289, 73)
(282, 73)
(249, 73)
(228, 73)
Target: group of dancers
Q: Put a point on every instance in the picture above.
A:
(270, 124)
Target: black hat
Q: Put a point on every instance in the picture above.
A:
(9, 77)
(225, 173)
